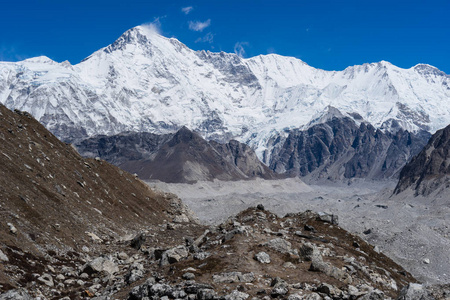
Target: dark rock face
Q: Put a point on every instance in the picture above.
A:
(180, 157)
(339, 148)
(430, 169)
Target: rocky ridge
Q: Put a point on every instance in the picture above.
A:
(58, 209)
(339, 148)
(429, 171)
(180, 157)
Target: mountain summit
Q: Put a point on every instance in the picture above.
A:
(146, 82)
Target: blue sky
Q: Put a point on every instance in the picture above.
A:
(325, 34)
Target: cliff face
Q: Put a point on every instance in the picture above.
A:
(430, 169)
(339, 149)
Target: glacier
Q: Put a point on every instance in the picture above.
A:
(145, 82)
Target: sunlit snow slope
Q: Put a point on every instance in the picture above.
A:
(146, 82)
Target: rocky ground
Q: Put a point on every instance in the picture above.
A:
(414, 231)
(254, 255)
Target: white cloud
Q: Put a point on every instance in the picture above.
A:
(199, 26)
(187, 10)
(239, 48)
(208, 38)
(155, 26)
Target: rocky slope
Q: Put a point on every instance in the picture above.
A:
(429, 171)
(181, 157)
(337, 148)
(144, 82)
(58, 208)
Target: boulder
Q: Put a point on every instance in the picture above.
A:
(174, 255)
(46, 279)
(3, 256)
(262, 257)
(236, 295)
(100, 264)
(280, 245)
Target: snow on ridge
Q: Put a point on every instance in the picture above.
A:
(147, 82)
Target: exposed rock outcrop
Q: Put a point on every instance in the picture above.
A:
(340, 149)
(430, 169)
(181, 157)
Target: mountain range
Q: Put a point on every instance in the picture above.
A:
(144, 82)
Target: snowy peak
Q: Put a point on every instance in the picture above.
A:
(145, 82)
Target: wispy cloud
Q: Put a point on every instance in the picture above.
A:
(155, 26)
(187, 10)
(199, 26)
(239, 48)
(208, 38)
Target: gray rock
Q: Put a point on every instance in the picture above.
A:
(46, 279)
(201, 255)
(12, 228)
(280, 245)
(100, 264)
(309, 251)
(3, 256)
(206, 294)
(328, 218)
(376, 295)
(236, 295)
(312, 296)
(280, 287)
(233, 277)
(137, 241)
(174, 255)
(262, 257)
(188, 276)
(19, 294)
(122, 256)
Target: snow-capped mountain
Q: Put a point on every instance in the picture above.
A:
(146, 82)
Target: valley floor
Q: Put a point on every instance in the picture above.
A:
(414, 231)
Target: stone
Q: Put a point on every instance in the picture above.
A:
(236, 295)
(426, 261)
(312, 296)
(18, 294)
(325, 289)
(3, 256)
(46, 279)
(376, 295)
(289, 265)
(260, 207)
(201, 255)
(122, 256)
(206, 294)
(262, 257)
(188, 276)
(84, 276)
(280, 287)
(137, 241)
(12, 228)
(280, 245)
(233, 277)
(328, 218)
(174, 255)
(181, 219)
(60, 277)
(100, 264)
(309, 251)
